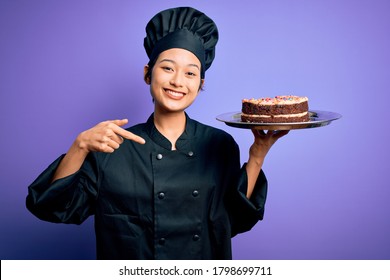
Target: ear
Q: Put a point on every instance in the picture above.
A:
(146, 76)
(201, 84)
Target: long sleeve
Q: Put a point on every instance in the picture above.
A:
(67, 200)
(247, 212)
(244, 213)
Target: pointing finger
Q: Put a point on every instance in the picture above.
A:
(128, 135)
(117, 129)
(135, 138)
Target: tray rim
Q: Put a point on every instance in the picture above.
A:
(318, 118)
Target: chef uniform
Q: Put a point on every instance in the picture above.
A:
(152, 202)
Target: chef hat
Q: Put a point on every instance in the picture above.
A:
(184, 28)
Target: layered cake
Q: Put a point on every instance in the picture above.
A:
(280, 109)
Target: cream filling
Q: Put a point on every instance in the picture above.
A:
(276, 116)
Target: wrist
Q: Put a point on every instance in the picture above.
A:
(79, 144)
(257, 160)
(79, 147)
(257, 153)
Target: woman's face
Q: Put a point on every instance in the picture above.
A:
(175, 81)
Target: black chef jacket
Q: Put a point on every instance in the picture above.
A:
(152, 202)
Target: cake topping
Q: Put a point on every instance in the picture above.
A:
(280, 99)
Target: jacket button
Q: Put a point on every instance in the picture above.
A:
(161, 241)
(190, 153)
(159, 156)
(195, 237)
(161, 195)
(195, 193)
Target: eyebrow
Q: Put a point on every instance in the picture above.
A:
(172, 61)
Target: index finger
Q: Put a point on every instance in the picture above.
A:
(128, 135)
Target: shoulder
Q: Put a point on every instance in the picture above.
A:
(217, 145)
(212, 133)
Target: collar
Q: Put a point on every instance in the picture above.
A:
(183, 143)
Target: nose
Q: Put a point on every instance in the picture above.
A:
(176, 80)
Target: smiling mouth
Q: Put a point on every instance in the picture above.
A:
(174, 94)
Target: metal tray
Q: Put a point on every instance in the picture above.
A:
(317, 119)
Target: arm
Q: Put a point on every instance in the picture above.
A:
(247, 203)
(65, 192)
(104, 137)
(257, 153)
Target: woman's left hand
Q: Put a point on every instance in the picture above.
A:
(264, 141)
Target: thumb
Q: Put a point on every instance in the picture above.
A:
(121, 122)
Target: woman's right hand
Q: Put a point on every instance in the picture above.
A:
(106, 137)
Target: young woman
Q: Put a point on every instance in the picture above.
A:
(170, 188)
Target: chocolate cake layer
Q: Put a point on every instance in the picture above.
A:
(274, 109)
(280, 109)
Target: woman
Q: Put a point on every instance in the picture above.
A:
(170, 188)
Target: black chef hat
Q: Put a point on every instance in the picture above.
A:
(184, 28)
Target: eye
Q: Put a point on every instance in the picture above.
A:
(167, 68)
(191, 74)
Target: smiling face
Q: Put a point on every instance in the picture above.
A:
(175, 80)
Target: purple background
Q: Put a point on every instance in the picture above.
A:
(67, 65)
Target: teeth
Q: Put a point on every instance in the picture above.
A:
(174, 93)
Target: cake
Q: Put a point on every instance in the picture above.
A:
(280, 109)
